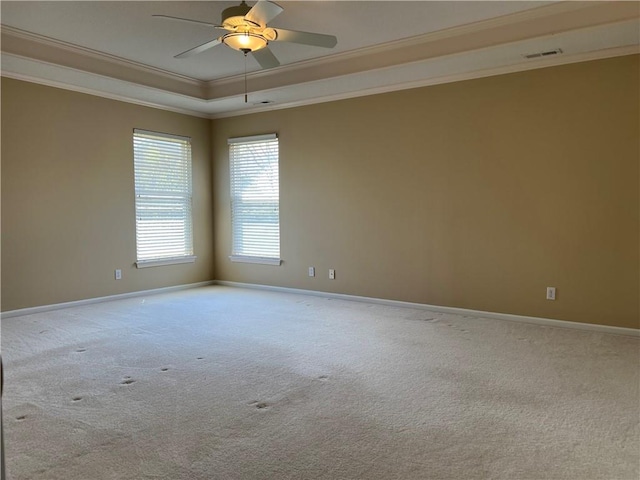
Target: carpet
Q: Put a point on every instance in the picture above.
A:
(230, 383)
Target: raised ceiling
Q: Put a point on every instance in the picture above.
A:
(118, 50)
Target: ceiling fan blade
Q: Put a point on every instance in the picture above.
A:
(199, 48)
(263, 12)
(306, 38)
(168, 17)
(265, 58)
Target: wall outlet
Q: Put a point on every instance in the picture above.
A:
(118, 274)
(332, 274)
(551, 293)
(312, 271)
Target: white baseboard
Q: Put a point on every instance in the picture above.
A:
(395, 303)
(453, 310)
(141, 293)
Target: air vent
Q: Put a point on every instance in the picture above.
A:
(547, 53)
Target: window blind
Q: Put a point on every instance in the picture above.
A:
(255, 198)
(163, 191)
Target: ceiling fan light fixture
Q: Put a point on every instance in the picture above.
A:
(244, 41)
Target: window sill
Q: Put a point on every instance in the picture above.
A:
(158, 262)
(261, 260)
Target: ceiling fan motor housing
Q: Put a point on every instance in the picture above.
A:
(234, 16)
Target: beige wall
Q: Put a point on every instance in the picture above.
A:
(476, 194)
(68, 196)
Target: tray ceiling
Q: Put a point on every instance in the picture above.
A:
(118, 50)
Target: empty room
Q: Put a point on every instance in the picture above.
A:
(331, 240)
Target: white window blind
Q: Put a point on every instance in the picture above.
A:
(162, 165)
(255, 199)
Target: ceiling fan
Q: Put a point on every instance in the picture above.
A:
(247, 31)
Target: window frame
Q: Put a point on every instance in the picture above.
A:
(239, 254)
(185, 189)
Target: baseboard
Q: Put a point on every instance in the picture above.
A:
(395, 303)
(76, 303)
(436, 308)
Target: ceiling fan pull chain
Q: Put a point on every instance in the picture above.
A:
(245, 77)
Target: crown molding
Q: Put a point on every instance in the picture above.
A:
(57, 62)
(520, 67)
(29, 45)
(541, 21)
(489, 72)
(538, 22)
(96, 92)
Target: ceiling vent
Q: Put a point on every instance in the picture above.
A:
(547, 53)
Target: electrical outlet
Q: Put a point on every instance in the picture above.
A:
(551, 293)
(332, 274)
(312, 272)
(118, 274)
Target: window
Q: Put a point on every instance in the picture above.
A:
(255, 199)
(162, 165)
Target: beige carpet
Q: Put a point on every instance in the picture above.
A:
(225, 383)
